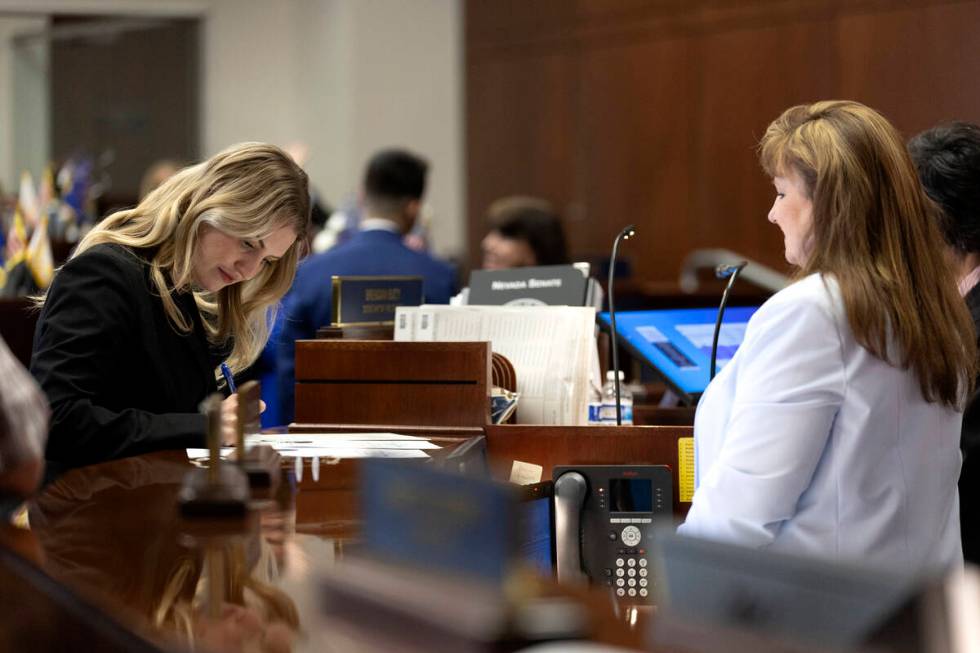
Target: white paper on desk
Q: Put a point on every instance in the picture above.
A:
(198, 454)
(550, 347)
(324, 452)
(351, 452)
(273, 438)
(324, 443)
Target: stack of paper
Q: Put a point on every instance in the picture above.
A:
(551, 348)
(335, 445)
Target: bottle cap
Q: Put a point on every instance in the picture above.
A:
(611, 375)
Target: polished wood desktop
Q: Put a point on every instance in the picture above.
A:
(111, 535)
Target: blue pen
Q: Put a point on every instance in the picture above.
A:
(229, 379)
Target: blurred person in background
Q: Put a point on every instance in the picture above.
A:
(523, 231)
(391, 201)
(158, 172)
(948, 161)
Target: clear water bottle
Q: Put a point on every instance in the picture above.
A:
(595, 405)
(609, 401)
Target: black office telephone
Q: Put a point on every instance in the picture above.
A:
(604, 521)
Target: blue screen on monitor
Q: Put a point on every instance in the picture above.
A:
(677, 342)
(536, 546)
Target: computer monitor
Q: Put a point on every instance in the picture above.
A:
(677, 342)
(536, 537)
(787, 597)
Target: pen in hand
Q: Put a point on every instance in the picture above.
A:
(229, 379)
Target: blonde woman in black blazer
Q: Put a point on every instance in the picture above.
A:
(155, 297)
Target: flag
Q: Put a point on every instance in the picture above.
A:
(39, 257)
(18, 279)
(28, 200)
(16, 240)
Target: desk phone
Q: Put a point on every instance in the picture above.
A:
(604, 521)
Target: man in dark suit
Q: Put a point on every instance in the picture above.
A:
(948, 161)
(391, 201)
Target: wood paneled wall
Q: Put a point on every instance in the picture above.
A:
(648, 111)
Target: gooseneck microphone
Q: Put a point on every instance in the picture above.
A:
(731, 272)
(625, 234)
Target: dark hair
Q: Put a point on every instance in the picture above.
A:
(947, 158)
(395, 175)
(535, 222)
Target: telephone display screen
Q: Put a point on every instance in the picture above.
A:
(630, 495)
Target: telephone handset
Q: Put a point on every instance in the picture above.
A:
(604, 520)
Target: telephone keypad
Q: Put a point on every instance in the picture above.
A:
(643, 562)
(631, 573)
(619, 562)
(620, 572)
(631, 562)
(620, 592)
(643, 582)
(620, 582)
(643, 592)
(643, 572)
(631, 592)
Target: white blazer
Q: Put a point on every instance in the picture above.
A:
(807, 443)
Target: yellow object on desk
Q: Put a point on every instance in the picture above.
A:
(685, 469)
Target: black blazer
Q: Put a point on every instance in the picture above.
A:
(970, 444)
(120, 377)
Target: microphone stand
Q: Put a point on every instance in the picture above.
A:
(722, 271)
(623, 235)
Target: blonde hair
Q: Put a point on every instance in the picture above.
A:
(247, 191)
(876, 233)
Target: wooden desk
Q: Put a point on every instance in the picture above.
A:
(126, 569)
(550, 446)
(110, 533)
(376, 382)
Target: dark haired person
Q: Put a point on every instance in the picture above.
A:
(524, 231)
(834, 431)
(391, 200)
(948, 160)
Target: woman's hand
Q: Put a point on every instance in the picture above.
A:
(229, 419)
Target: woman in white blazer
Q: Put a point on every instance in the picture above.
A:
(834, 431)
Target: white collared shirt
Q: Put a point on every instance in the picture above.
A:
(967, 283)
(807, 443)
(379, 224)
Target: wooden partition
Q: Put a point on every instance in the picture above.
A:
(550, 446)
(648, 112)
(382, 383)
